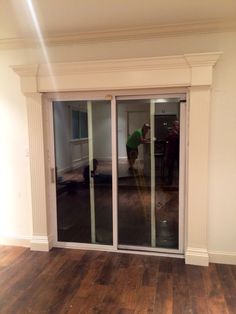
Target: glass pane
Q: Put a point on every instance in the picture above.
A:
(83, 123)
(167, 117)
(134, 190)
(83, 169)
(101, 122)
(75, 124)
(148, 172)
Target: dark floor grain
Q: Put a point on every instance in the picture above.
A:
(75, 281)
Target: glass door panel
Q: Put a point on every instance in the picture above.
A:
(101, 124)
(166, 152)
(82, 131)
(148, 173)
(134, 181)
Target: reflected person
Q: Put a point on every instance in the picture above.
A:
(172, 150)
(135, 139)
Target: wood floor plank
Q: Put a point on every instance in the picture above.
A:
(199, 305)
(228, 283)
(215, 297)
(164, 288)
(9, 255)
(181, 296)
(78, 281)
(195, 281)
(22, 276)
(150, 272)
(145, 299)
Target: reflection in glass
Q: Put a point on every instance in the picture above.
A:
(82, 131)
(148, 173)
(134, 190)
(167, 117)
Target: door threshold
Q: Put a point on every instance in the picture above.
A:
(149, 249)
(110, 248)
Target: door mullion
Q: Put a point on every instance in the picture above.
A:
(114, 135)
(153, 190)
(91, 179)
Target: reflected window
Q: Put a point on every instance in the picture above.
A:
(79, 124)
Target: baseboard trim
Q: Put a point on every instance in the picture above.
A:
(23, 241)
(197, 256)
(51, 241)
(40, 243)
(60, 172)
(220, 257)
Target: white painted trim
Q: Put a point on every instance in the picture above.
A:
(91, 179)
(80, 159)
(15, 240)
(192, 71)
(51, 241)
(180, 95)
(125, 34)
(152, 253)
(197, 256)
(222, 257)
(153, 176)
(77, 163)
(79, 141)
(110, 248)
(118, 74)
(182, 174)
(60, 172)
(84, 246)
(119, 94)
(114, 145)
(148, 249)
(50, 186)
(40, 243)
(185, 237)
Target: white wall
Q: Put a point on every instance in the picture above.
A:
(15, 217)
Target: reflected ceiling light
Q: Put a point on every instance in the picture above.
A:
(161, 100)
(167, 100)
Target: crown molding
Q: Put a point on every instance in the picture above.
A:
(202, 59)
(26, 71)
(115, 65)
(118, 65)
(170, 71)
(136, 33)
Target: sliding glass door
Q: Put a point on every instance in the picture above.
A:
(119, 172)
(148, 173)
(82, 132)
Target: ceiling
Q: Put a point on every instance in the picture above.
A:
(20, 18)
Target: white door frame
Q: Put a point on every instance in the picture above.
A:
(182, 96)
(49, 99)
(91, 178)
(192, 72)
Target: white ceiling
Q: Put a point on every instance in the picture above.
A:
(56, 17)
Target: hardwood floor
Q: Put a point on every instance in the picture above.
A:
(76, 281)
